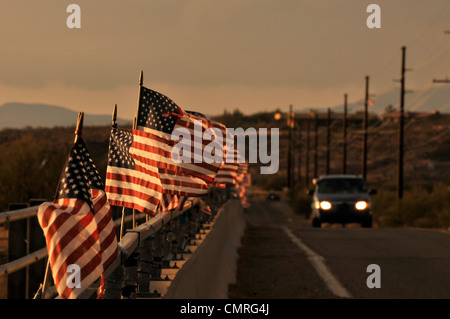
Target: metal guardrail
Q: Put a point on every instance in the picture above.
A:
(18, 264)
(21, 263)
(18, 214)
(128, 245)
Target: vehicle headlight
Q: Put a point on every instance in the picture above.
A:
(325, 205)
(361, 205)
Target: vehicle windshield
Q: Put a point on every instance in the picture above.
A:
(342, 186)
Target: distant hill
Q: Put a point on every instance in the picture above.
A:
(21, 115)
(431, 98)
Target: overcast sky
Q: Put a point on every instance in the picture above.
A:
(211, 56)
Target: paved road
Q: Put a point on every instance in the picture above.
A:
(284, 257)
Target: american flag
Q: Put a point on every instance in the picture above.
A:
(132, 178)
(159, 115)
(226, 175)
(141, 169)
(243, 182)
(78, 225)
(182, 184)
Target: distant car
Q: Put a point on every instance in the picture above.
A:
(341, 199)
(273, 196)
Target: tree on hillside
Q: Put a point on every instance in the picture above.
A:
(29, 169)
(389, 109)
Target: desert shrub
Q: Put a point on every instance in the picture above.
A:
(419, 207)
(301, 201)
(270, 182)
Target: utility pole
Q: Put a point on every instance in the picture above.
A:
(364, 159)
(401, 128)
(290, 122)
(316, 140)
(308, 127)
(300, 142)
(344, 158)
(293, 156)
(327, 166)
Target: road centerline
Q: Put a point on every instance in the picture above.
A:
(319, 264)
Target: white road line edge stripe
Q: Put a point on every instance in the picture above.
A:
(319, 264)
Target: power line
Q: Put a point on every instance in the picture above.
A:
(446, 80)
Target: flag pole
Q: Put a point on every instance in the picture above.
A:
(135, 122)
(44, 283)
(122, 222)
(114, 117)
(78, 133)
(114, 125)
(136, 116)
(79, 127)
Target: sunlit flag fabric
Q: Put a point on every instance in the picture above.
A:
(159, 115)
(182, 184)
(132, 178)
(206, 211)
(243, 182)
(178, 187)
(141, 169)
(172, 202)
(226, 175)
(78, 225)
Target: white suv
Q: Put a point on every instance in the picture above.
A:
(341, 199)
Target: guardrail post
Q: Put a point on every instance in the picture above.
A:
(113, 284)
(130, 278)
(182, 236)
(177, 237)
(190, 228)
(144, 266)
(17, 248)
(145, 270)
(157, 253)
(36, 241)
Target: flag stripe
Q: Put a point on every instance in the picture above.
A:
(130, 179)
(160, 146)
(117, 194)
(133, 203)
(196, 155)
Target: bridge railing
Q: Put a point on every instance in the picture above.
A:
(145, 249)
